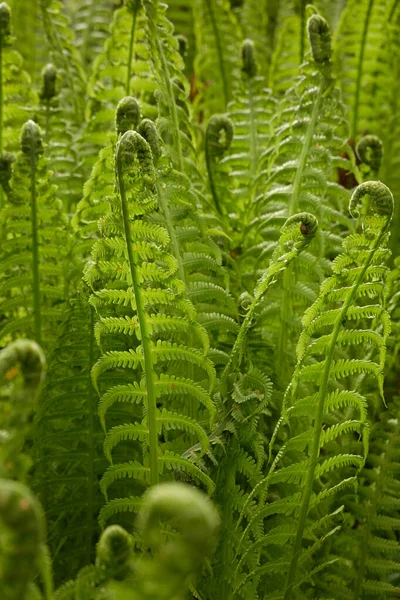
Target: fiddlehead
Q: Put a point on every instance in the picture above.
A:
(380, 202)
(23, 532)
(114, 552)
(22, 369)
(370, 150)
(296, 234)
(219, 136)
(127, 115)
(49, 82)
(249, 65)
(148, 131)
(196, 520)
(320, 39)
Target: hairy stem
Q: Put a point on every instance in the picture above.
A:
(146, 345)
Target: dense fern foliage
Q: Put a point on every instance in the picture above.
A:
(199, 300)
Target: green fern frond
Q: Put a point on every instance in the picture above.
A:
(34, 273)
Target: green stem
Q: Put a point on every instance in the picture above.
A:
(91, 442)
(1, 96)
(359, 72)
(47, 136)
(315, 447)
(1, 112)
(35, 249)
(131, 44)
(46, 572)
(292, 209)
(213, 190)
(222, 72)
(151, 10)
(146, 345)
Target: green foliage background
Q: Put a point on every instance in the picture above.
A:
(199, 300)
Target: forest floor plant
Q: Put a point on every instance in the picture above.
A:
(199, 300)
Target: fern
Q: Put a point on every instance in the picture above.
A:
(216, 64)
(16, 97)
(143, 286)
(316, 391)
(363, 71)
(120, 70)
(68, 443)
(33, 286)
(368, 544)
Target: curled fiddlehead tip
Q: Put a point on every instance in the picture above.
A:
(148, 131)
(133, 149)
(380, 197)
(133, 5)
(127, 115)
(31, 139)
(370, 150)
(30, 357)
(22, 516)
(308, 225)
(193, 515)
(219, 135)
(49, 78)
(249, 65)
(320, 39)
(5, 21)
(113, 552)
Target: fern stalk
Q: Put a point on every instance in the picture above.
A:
(133, 260)
(31, 145)
(359, 71)
(91, 453)
(151, 11)
(131, 44)
(381, 193)
(219, 51)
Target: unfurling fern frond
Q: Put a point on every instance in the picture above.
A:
(321, 407)
(251, 111)
(100, 186)
(16, 97)
(33, 277)
(296, 234)
(22, 369)
(121, 69)
(298, 172)
(174, 121)
(147, 329)
(60, 148)
(22, 528)
(66, 58)
(369, 150)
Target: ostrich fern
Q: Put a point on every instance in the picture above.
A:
(194, 231)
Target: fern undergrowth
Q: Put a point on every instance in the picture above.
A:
(199, 300)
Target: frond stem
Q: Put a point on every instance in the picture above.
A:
(147, 354)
